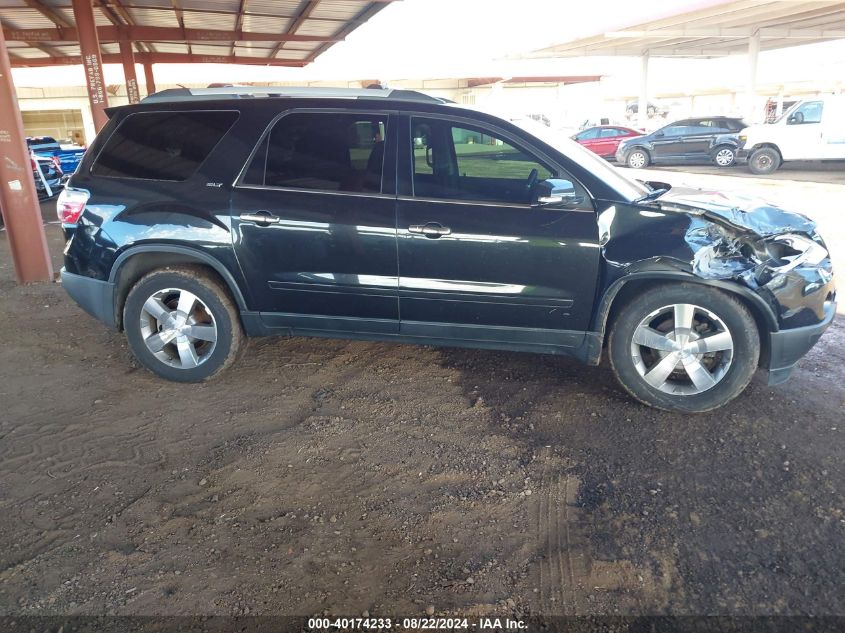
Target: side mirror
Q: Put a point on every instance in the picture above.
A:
(659, 134)
(556, 192)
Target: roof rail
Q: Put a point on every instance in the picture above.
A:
(256, 92)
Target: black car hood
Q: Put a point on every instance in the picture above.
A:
(742, 213)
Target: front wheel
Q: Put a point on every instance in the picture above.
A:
(638, 159)
(684, 347)
(181, 324)
(764, 161)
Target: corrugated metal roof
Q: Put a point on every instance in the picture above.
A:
(274, 7)
(154, 17)
(24, 18)
(338, 9)
(273, 22)
(265, 24)
(319, 27)
(216, 21)
(722, 28)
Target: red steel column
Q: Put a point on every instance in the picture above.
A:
(18, 199)
(89, 44)
(128, 58)
(149, 78)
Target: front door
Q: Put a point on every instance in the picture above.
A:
(668, 142)
(476, 260)
(802, 136)
(313, 223)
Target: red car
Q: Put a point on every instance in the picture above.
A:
(604, 139)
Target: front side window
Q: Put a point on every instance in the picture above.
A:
(810, 112)
(162, 145)
(466, 163)
(676, 130)
(322, 151)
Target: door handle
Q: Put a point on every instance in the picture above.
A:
(432, 230)
(260, 217)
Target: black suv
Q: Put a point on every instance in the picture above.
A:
(710, 139)
(199, 217)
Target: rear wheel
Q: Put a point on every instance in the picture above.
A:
(724, 156)
(638, 159)
(684, 347)
(764, 160)
(181, 324)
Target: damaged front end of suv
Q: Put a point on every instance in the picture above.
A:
(773, 259)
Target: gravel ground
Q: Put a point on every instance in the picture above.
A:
(339, 477)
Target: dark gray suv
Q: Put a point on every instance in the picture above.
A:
(198, 218)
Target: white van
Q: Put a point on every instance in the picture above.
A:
(812, 129)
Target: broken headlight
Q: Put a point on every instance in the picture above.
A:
(790, 250)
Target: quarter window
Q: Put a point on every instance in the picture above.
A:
(321, 151)
(466, 163)
(162, 145)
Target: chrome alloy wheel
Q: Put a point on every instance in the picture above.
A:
(682, 349)
(178, 328)
(724, 157)
(636, 160)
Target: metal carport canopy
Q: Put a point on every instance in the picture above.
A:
(714, 28)
(719, 29)
(93, 32)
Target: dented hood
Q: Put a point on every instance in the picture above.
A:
(742, 213)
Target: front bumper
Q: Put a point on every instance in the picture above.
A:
(94, 296)
(787, 347)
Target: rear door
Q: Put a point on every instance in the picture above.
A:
(699, 138)
(313, 219)
(607, 141)
(477, 261)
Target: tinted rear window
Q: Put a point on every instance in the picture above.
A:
(162, 145)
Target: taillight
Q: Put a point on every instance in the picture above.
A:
(32, 162)
(70, 205)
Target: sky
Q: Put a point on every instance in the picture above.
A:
(415, 39)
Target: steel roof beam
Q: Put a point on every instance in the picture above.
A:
(160, 58)
(158, 34)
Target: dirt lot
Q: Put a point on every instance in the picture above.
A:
(332, 476)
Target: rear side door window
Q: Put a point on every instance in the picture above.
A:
(588, 135)
(322, 151)
(162, 145)
(457, 162)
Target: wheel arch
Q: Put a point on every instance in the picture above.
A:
(645, 150)
(135, 262)
(769, 145)
(618, 293)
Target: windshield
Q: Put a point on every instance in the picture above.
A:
(628, 188)
(789, 111)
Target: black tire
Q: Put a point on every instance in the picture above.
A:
(723, 156)
(737, 373)
(638, 159)
(217, 308)
(764, 160)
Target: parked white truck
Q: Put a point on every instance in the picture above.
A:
(812, 129)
